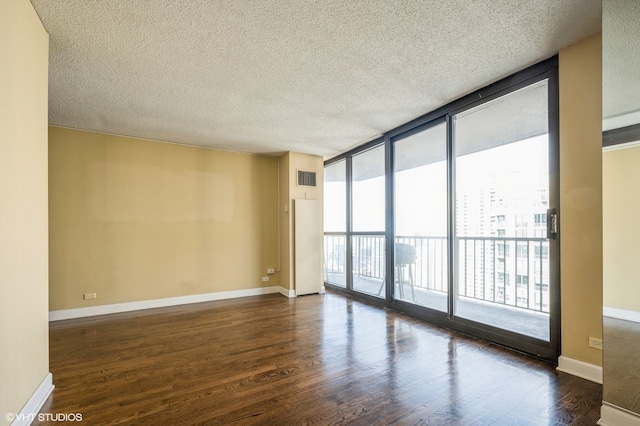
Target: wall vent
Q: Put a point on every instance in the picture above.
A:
(306, 178)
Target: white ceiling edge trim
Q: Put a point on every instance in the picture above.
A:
(210, 148)
(620, 146)
(623, 120)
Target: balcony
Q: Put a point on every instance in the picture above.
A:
(502, 281)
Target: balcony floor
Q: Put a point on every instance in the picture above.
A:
(518, 320)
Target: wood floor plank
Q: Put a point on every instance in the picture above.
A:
(323, 359)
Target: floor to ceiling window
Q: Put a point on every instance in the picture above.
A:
(420, 203)
(501, 187)
(452, 217)
(335, 224)
(368, 267)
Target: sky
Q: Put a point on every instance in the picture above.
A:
(516, 170)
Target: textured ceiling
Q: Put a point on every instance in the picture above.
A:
(268, 76)
(621, 62)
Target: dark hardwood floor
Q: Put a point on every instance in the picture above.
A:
(320, 359)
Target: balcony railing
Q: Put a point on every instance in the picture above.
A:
(501, 270)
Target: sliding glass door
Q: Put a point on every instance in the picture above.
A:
(501, 202)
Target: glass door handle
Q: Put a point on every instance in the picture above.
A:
(552, 224)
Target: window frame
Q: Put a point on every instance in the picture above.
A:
(547, 69)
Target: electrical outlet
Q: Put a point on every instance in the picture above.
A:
(88, 296)
(265, 278)
(595, 343)
(271, 271)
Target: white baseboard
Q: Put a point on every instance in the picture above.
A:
(622, 314)
(611, 415)
(35, 403)
(159, 303)
(292, 293)
(287, 292)
(580, 369)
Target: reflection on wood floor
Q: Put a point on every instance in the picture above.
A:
(321, 359)
(523, 321)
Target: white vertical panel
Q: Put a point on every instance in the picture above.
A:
(308, 246)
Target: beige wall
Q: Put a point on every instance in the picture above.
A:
(290, 163)
(134, 220)
(621, 228)
(580, 72)
(286, 238)
(24, 330)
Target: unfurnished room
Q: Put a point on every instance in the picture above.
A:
(273, 212)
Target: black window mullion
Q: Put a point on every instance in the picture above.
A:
(554, 202)
(349, 219)
(389, 223)
(451, 218)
